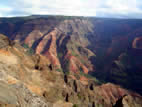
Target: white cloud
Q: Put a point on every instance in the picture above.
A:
(64, 7)
(73, 7)
(4, 10)
(1, 15)
(123, 6)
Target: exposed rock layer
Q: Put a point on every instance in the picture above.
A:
(22, 85)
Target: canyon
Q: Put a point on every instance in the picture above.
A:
(62, 61)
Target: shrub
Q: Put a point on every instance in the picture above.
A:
(74, 54)
(30, 51)
(75, 105)
(59, 70)
(79, 96)
(60, 55)
(25, 45)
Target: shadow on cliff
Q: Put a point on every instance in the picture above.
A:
(129, 78)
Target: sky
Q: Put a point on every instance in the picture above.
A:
(98, 8)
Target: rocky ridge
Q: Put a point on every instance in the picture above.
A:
(64, 50)
(29, 81)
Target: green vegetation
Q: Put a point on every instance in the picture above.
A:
(30, 51)
(66, 69)
(124, 70)
(60, 55)
(75, 105)
(25, 45)
(77, 76)
(79, 96)
(90, 77)
(67, 72)
(74, 54)
(59, 70)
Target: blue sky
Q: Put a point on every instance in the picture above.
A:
(99, 8)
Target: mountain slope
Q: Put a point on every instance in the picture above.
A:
(83, 45)
(29, 81)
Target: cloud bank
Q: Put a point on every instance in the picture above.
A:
(99, 8)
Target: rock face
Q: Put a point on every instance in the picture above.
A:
(127, 101)
(4, 41)
(137, 43)
(24, 85)
(108, 49)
